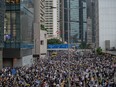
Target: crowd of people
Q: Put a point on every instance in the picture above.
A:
(89, 70)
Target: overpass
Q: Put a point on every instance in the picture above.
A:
(60, 46)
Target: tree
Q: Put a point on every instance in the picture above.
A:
(43, 27)
(99, 51)
(54, 41)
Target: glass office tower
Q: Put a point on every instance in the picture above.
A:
(77, 20)
(18, 23)
(2, 12)
(18, 30)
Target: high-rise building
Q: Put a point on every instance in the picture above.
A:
(2, 12)
(42, 11)
(52, 18)
(17, 32)
(73, 19)
(92, 23)
(103, 23)
(107, 22)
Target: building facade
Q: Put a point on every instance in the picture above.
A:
(73, 20)
(2, 12)
(92, 23)
(18, 31)
(52, 18)
(19, 35)
(102, 15)
(107, 23)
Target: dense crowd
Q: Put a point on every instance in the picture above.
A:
(85, 71)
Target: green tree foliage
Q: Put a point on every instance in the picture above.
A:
(43, 27)
(99, 51)
(54, 41)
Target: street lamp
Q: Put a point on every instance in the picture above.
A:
(69, 82)
(69, 45)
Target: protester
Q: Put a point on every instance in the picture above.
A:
(85, 71)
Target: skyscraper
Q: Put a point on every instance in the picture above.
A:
(107, 22)
(52, 18)
(75, 10)
(92, 23)
(2, 12)
(103, 23)
(17, 32)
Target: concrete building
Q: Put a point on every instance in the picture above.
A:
(102, 14)
(52, 18)
(22, 32)
(73, 20)
(43, 44)
(107, 22)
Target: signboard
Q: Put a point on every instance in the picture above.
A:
(62, 46)
(55, 46)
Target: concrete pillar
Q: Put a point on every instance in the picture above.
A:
(62, 21)
(37, 27)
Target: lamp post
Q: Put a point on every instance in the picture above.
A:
(69, 82)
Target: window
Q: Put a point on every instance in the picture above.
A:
(42, 42)
(45, 35)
